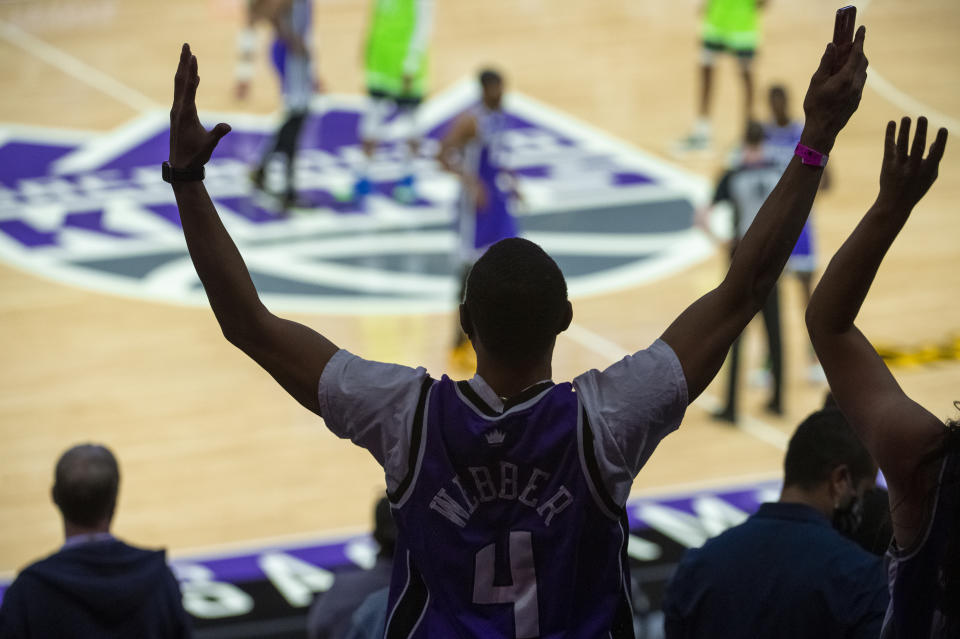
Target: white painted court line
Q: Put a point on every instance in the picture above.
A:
(75, 68)
(756, 428)
(886, 90)
(908, 103)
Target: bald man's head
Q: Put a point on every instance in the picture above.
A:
(85, 485)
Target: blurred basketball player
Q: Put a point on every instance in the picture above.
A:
(746, 186)
(782, 135)
(729, 26)
(396, 75)
(509, 491)
(473, 150)
(291, 56)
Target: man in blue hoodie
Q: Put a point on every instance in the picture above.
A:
(95, 585)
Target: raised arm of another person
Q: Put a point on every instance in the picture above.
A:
(704, 332)
(898, 432)
(292, 353)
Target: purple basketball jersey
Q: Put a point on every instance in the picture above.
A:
(481, 227)
(504, 527)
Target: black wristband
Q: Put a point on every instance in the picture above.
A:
(172, 175)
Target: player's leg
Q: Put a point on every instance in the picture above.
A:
(699, 137)
(729, 412)
(745, 61)
(278, 56)
(802, 265)
(771, 322)
(742, 38)
(287, 144)
(405, 190)
(372, 123)
(462, 355)
(297, 92)
(713, 38)
(297, 84)
(459, 337)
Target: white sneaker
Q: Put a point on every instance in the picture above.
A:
(697, 140)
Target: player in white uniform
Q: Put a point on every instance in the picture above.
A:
(483, 207)
(292, 58)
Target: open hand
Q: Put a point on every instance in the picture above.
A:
(906, 177)
(190, 144)
(834, 95)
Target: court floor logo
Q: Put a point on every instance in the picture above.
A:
(91, 210)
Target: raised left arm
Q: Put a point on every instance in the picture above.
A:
(897, 431)
(293, 354)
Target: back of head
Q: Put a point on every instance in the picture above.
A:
(754, 134)
(86, 482)
(822, 443)
(778, 92)
(491, 86)
(489, 77)
(778, 102)
(516, 299)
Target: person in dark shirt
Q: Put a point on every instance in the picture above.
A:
(95, 585)
(787, 571)
(330, 614)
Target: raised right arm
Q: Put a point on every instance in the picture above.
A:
(704, 332)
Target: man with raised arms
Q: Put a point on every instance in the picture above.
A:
(506, 571)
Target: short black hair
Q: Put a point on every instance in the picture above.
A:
(754, 133)
(820, 444)
(489, 76)
(86, 482)
(778, 89)
(516, 299)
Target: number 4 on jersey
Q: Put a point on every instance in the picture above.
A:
(523, 591)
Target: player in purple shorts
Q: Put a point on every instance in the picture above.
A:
(473, 150)
(509, 490)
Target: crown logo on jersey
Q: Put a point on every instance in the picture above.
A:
(495, 437)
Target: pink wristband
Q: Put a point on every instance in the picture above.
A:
(809, 156)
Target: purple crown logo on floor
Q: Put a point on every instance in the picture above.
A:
(91, 210)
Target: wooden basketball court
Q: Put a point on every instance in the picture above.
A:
(213, 452)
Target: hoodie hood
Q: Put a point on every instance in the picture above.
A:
(108, 578)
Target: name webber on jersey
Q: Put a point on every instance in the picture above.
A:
(508, 482)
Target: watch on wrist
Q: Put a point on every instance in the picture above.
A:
(810, 156)
(172, 175)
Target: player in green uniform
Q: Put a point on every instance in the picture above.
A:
(396, 76)
(731, 26)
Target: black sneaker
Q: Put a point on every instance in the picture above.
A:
(725, 415)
